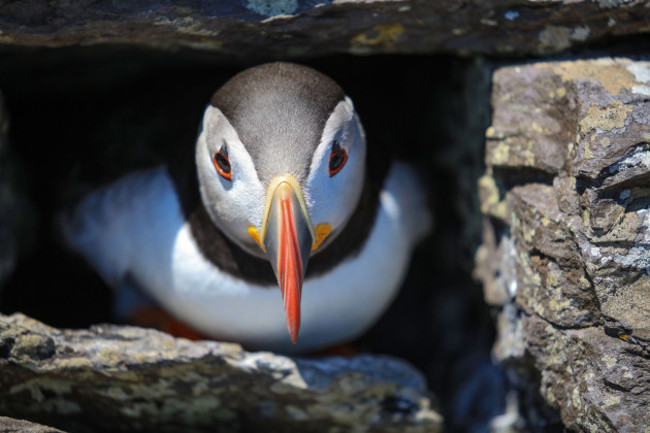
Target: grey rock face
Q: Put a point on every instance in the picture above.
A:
(566, 250)
(112, 378)
(253, 28)
(11, 425)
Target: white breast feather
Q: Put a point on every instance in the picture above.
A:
(135, 226)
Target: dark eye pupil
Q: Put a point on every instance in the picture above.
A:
(223, 162)
(336, 160)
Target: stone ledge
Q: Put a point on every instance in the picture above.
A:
(113, 378)
(11, 425)
(266, 29)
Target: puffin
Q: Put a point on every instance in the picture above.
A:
(278, 228)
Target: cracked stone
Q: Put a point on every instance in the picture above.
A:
(112, 378)
(577, 219)
(253, 29)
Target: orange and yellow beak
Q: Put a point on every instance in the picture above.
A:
(288, 237)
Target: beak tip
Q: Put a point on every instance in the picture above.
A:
(293, 326)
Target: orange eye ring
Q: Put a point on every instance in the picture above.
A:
(338, 158)
(222, 163)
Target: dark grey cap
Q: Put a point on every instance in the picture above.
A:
(279, 111)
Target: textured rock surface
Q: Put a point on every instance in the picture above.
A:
(257, 28)
(112, 378)
(566, 253)
(11, 425)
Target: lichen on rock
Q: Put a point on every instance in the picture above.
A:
(567, 195)
(252, 29)
(112, 378)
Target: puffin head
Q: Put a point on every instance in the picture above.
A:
(281, 165)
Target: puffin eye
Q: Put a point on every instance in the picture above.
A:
(338, 158)
(222, 163)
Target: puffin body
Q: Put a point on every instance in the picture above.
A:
(273, 234)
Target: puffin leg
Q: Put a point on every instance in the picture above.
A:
(133, 306)
(157, 318)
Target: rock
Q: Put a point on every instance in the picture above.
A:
(566, 251)
(112, 378)
(11, 425)
(255, 29)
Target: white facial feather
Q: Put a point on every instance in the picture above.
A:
(331, 200)
(236, 204)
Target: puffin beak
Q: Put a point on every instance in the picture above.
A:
(288, 236)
